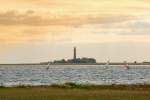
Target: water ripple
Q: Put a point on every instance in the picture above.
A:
(11, 75)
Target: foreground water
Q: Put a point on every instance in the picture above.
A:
(12, 75)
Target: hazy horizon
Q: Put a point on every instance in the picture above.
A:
(34, 31)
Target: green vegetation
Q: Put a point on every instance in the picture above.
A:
(71, 91)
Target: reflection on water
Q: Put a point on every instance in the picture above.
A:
(11, 75)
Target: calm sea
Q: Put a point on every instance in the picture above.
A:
(12, 75)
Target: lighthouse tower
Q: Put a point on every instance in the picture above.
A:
(75, 54)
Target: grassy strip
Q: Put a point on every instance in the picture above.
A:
(70, 85)
(71, 91)
(80, 86)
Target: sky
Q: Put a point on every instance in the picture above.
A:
(41, 30)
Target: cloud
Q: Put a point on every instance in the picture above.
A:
(15, 35)
(61, 20)
(140, 26)
(27, 18)
(77, 29)
(33, 18)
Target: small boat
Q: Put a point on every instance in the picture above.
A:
(126, 65)
(108, 63)
(47, 68)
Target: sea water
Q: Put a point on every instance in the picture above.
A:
(13, 75)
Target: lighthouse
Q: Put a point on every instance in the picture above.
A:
(75, 54)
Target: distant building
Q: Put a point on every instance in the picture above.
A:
(75, 60)
(145, 62)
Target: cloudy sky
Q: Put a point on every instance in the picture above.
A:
(42, 30)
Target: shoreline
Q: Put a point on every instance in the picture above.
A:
(90, 86)
(79, 64)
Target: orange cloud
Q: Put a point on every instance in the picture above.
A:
(13, 34)
(42, 20)
(31, 18)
